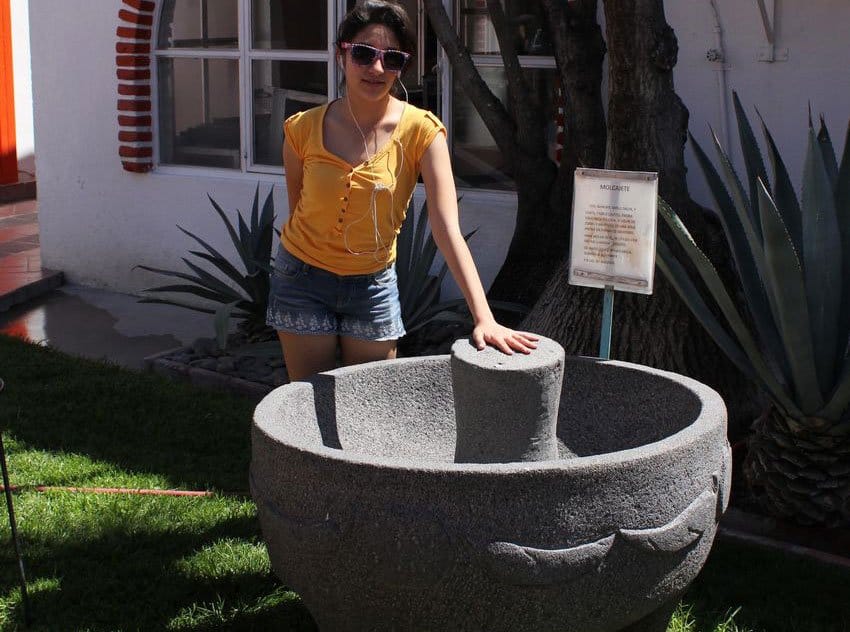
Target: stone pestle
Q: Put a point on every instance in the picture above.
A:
(506, 406)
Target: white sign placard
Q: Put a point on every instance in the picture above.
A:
(614, 229)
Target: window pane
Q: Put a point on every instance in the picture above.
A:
(199, 112)
(477, 161)
(284, 24)
(282, 88)
(524, 16)
(199, 24)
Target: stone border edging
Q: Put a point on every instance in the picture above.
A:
(50, 281)
(204, 378)
(747, 528)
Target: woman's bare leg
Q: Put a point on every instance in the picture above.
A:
(357, 351)
(307, 354)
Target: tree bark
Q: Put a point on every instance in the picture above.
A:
(544, 190)
(541, 234)
(647, 127)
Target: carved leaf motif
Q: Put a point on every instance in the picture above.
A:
(523, 565)
(679, 533)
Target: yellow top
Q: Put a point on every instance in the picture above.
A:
(348, 216)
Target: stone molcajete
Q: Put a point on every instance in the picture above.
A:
(488, 492)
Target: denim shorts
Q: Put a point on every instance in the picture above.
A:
(304, 299)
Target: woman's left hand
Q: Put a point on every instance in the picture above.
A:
(503, 338)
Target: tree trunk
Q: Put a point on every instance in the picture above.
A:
(541, 235)
(647, 127)
(544, 191)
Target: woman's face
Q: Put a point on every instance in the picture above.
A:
(372, 82)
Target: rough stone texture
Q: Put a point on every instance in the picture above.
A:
(506, 407)
(370, 520)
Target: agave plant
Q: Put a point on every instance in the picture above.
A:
(243, 291)
(792, 258)
(419, 290)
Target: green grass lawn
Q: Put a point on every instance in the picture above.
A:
(127, 562)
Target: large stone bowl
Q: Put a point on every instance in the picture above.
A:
(369, 518)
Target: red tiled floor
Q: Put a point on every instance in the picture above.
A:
(20, 254)
(15, 263)
(9, 233)
(18, 208)
(11, 280)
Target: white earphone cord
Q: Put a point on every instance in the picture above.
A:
(380, 245)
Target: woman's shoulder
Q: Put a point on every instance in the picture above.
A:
(308, 117)
(422, 119)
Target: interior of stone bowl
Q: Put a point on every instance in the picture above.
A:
(405, 409)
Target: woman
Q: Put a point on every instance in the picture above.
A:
(351, 167)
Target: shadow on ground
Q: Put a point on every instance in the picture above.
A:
(132, 581)
(137, 422)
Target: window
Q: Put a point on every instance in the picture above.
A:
(229, 72)
(477, 159)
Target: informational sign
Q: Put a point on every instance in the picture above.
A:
(614, 230)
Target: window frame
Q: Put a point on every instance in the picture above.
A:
(245, 55)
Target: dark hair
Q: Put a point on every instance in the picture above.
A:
(385, 12)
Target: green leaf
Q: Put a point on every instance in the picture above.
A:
(255, 216)
(429, 294)
(750, 149)
(821, 263)
(746, 252)
(783, 192)
(839, 400)
(173, 274)
(219, 260)
(245, 239)
(237, 243)
(165, 301)
(842, 213)
(212, 282)
(827, 152)
(717, 290)
(746, 211)
(404, 246)
(194, 290)
(681, 282)
(786, 280)
(226, 268)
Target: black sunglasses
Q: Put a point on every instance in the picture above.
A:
(365, 55)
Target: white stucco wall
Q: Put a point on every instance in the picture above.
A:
(815, 35)
(23, 85)
(98, 220)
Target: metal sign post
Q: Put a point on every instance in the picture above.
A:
(607, 323)
(612, 243)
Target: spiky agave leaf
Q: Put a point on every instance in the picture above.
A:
(752, 154)
(242, 295)
(419, 289)
(787, 285)
(727, 307)
(821, 261)
(687, 290)
(783, 191)
(842, 213)
(744, 255)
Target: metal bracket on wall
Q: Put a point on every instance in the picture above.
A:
(769, 53)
